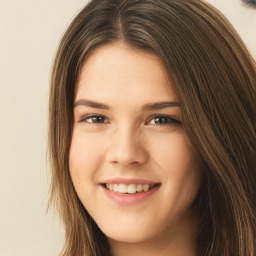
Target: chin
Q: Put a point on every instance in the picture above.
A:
(124, 237)
(129, 234)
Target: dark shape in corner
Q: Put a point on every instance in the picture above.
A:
(249, 3)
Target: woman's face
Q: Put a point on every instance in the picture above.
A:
(130, 161)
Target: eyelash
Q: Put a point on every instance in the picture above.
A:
(170, 120)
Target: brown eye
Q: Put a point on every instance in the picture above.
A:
(163, 120)
(95, 119)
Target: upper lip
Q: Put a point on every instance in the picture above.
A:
(136, 181)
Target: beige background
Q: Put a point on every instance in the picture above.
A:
(29, 33)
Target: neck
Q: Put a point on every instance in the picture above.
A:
(178, 240)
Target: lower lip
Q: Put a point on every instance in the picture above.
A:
(128, 199)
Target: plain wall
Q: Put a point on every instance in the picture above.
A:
(29, 34)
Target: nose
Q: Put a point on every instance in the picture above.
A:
(127, 147)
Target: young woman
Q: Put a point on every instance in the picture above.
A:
(152, 132)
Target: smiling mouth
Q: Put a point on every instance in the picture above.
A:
(129, 188)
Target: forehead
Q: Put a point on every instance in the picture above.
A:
(117, 68)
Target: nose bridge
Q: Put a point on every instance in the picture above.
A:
(126, 146)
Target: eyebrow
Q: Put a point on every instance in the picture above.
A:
(150, 106)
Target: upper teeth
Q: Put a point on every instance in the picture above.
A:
(129, 188)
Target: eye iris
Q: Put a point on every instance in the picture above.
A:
(98, 119)
(161, 120)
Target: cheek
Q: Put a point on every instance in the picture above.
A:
(181, 169)
(173, 154)
(84, 157)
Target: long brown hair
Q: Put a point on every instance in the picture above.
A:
(215, 77)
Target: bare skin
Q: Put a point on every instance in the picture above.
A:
(181, 241)
(123, 131)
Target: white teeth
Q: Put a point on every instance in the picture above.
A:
(115, 188)
(139, 188)
(145, 187)
(122, 188)
(130, 189)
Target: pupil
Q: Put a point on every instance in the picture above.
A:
(98, 119)
(161, 120)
